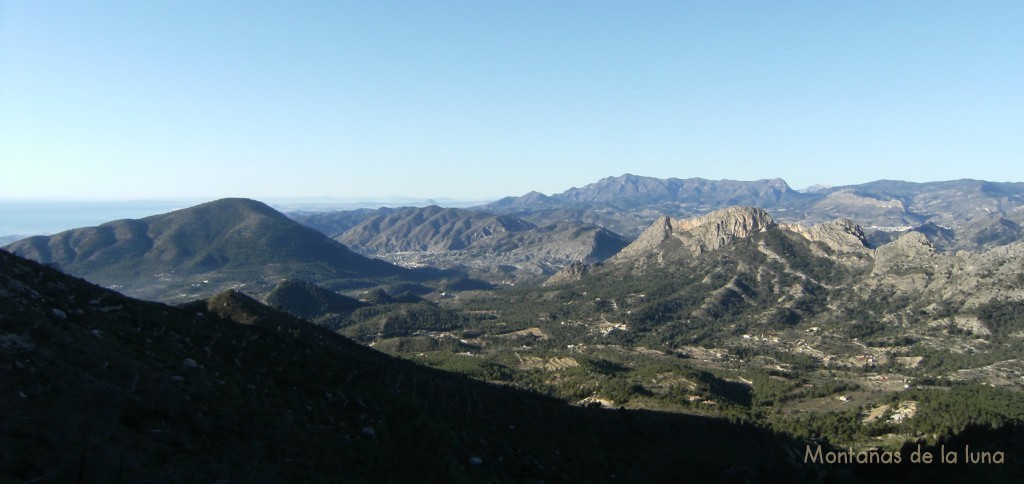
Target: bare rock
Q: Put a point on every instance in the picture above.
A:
(841, 235)
(701, 234)
(912, 249)
(570, 273)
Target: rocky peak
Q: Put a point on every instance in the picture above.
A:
(840, 235)
(570, 273)
(912, 241)
(732, 222)
(912, 249)
(701, 234)
(236, 306)
(649, 240)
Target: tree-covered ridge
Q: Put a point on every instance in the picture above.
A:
(201, 250)
(307, 300)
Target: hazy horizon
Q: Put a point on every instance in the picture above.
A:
(361, 201)
(27, 217)
(475, 101)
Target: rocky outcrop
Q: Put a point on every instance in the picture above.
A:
(701, 234)
(570, 273)
(648, 241)
(911, 265)
(981, 277)
(720, 227)
(911, 250)
(842, 235)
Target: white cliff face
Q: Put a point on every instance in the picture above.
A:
(701, 234)
(844, 238)
(720, 227)
(841, 235)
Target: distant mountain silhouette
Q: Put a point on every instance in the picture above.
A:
(629, 191)
(977, 214)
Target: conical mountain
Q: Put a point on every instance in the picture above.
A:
(307, 300)
(226, 242)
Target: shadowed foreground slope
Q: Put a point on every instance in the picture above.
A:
(98, 387)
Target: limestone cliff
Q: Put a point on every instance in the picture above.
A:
(841, 235)
(701, 234)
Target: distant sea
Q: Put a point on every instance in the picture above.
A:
(31, 217)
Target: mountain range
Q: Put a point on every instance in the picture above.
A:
(522, 239)
(847, 317)
(195, 251)
(978, 214)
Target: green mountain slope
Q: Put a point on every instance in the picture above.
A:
(202, 249)
(307, 300)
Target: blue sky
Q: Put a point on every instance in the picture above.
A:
(482, 99)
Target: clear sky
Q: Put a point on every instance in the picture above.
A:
(482, 99)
